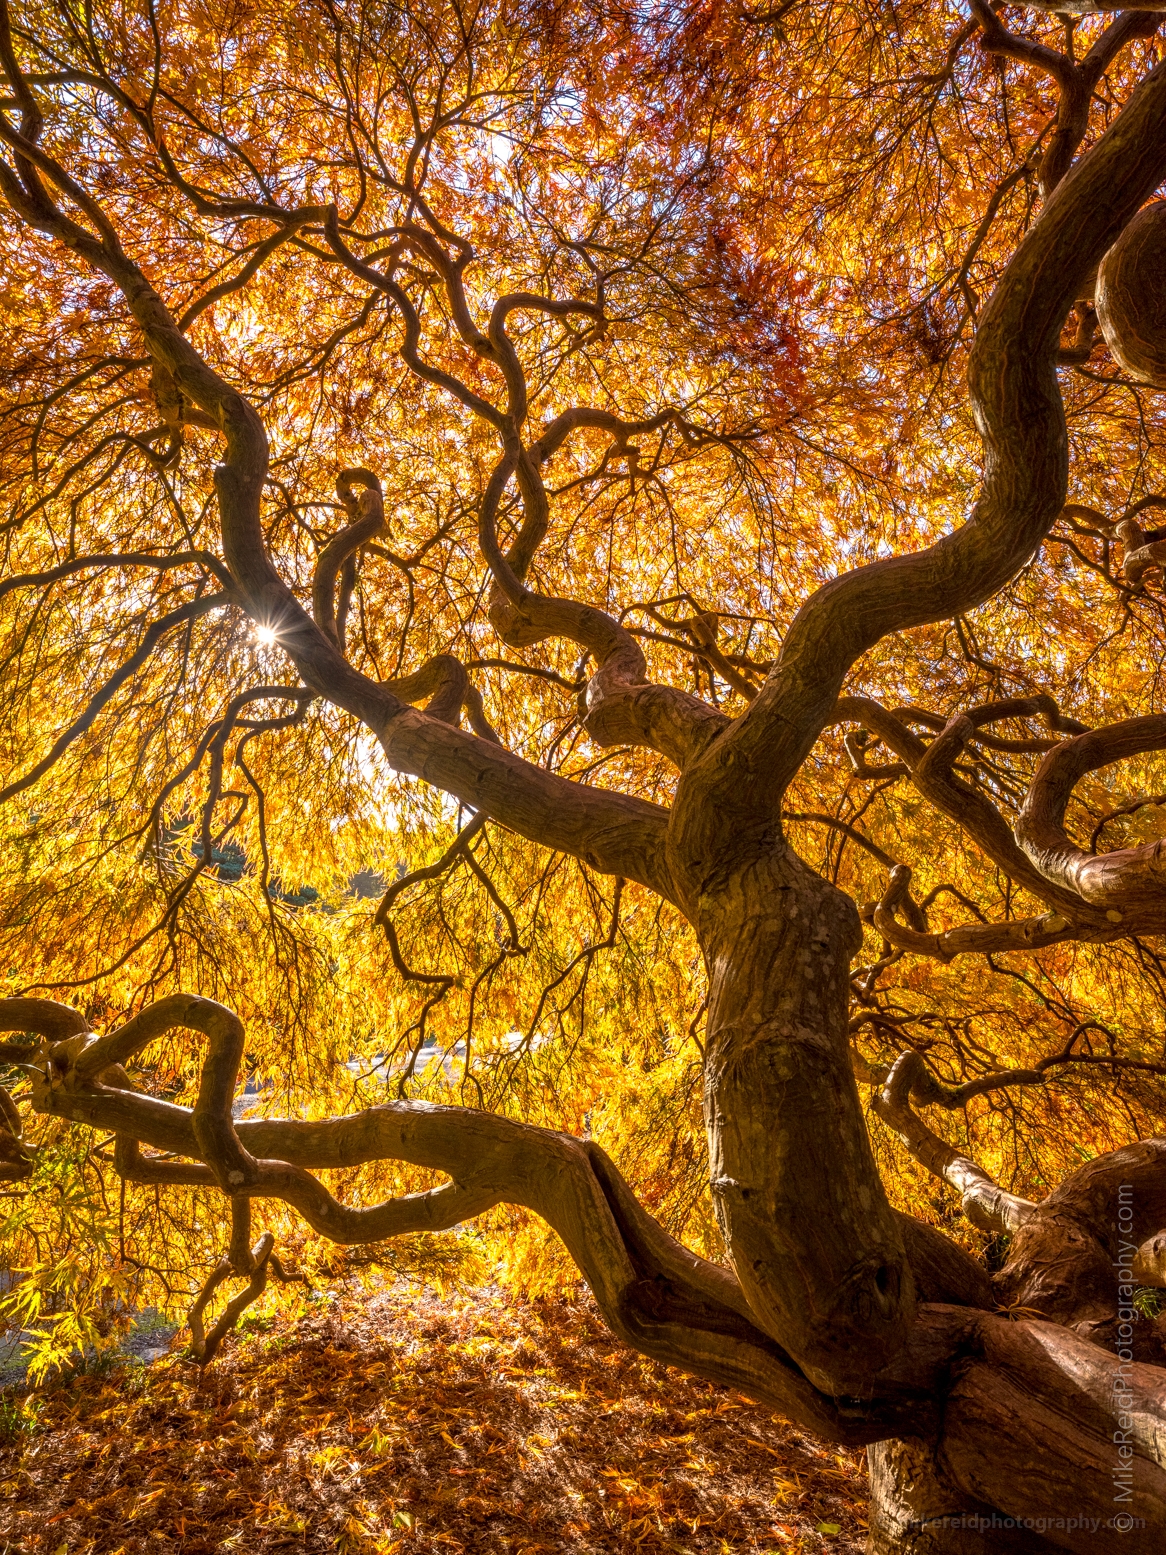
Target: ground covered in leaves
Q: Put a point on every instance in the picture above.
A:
(414, 1422)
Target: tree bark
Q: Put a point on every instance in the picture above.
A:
(916, 1509)
(822, 1318)
(811, 1235)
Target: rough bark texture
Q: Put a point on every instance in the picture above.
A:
(1130, 283)
(918, 1510)
(812, 1238)
(836, 1311)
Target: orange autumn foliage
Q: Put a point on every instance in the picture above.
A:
(778, 233)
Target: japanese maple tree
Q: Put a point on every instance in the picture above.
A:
(620, 543)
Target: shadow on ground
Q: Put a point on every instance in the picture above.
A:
(416, 1423)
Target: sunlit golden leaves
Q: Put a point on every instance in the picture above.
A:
(786, 223)
(398, 1419)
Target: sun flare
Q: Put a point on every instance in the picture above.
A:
(703, 466)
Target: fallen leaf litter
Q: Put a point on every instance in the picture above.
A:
(416, 1422)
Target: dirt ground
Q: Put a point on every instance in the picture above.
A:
(417, 1423)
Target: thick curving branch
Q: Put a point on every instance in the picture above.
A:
(1142, 548)
(45, 1022)
(654, 1292)
(984, 1202)
(44, 1018)
(1017, 406)
(1092, 897)
(1016, 934)
(366, 512)
(80, 1060)
(1142, 551)
(620, 705)
(1129, 884)
(16, 1154)
(930, 768)
(1076, 80)
(612, 832)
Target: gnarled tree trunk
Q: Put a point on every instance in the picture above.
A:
(917, 1509)
(812, 1238)
(864, 1326)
